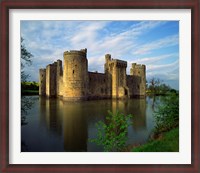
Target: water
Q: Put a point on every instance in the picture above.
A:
(57, 126)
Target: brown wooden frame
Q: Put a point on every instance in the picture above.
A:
(194, 5)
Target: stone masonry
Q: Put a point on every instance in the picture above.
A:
(74, 82)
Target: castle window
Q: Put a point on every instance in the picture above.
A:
(73, 71)
(102, 90)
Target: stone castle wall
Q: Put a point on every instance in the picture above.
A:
(74, 82)
(42, 82)
(98, 86)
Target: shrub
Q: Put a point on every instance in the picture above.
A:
(112, 135)
(167, 115)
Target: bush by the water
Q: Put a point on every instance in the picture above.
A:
(112, 134)
(167, 114)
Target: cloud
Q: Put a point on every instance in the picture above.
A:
(124, 41)
(154, 59)
(86, 33)
(96, 64)
(163, 67)
(168, 73)
(158, 44)
(118, 43)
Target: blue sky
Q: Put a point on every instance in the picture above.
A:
(153, 43)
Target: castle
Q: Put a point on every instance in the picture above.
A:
(74, 82)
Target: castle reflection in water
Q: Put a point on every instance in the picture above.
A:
(67, 126)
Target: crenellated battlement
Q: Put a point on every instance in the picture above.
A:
(115, 62)
(82, 52)
(119, 63)
(138, 66)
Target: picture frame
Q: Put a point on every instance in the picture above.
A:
(89, 4)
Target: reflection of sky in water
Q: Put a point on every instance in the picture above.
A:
(54, 125)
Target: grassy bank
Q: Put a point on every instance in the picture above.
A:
(166, 142)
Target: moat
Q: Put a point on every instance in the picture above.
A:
(57, 126)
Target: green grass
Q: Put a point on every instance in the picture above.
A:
(169, 142)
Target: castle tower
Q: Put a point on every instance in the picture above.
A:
(59, 77)
(108, 74)
(51, 80)
(75, 75)
(106, 65)
(117, 71)
(138, 72)
(119, 85)
(42, 82)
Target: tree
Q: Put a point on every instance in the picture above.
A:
(112, 135)
(157, 87)
(26, 103)
(154, 85)
(25, 60)
(163, 88)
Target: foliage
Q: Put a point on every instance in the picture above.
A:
(112, 135)
(26, 103)
(30, 85)
(25, 60)
(167, 114)
(157, 87)
(168, 143)
(153, 85)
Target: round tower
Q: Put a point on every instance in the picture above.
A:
(75, 75)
